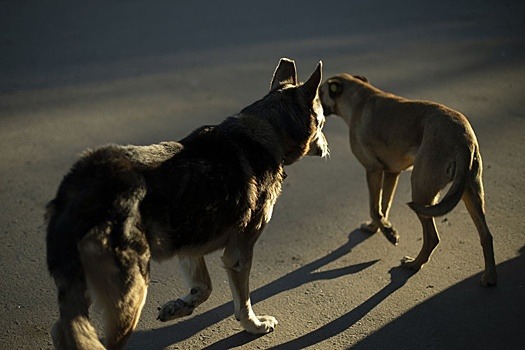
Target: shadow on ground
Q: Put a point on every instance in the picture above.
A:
(174, 333)
(444, 321)
(465, 316)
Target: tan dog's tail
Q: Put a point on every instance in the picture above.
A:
(463, 163)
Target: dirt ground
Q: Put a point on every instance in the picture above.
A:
(79, 75)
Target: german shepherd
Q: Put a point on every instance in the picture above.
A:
(121, 206)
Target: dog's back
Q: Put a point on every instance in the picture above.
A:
(180, 194)
(218, 182)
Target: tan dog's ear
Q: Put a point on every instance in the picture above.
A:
(285, 73)
(362, 78)
(309, 89)
(335, 88)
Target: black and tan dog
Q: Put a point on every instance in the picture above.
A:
(119, 206)
(389, 134)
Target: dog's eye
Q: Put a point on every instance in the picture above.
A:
(334, 89)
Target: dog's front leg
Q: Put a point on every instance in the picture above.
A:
(374, 178)
(198, 280)
(237, 260)
(389, 189)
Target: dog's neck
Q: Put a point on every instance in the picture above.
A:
(362, 91)
(262, 133)
(360, 94)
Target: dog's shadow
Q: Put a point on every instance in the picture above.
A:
(398, 277)
(162, 337)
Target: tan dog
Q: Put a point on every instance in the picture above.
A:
(389, 134)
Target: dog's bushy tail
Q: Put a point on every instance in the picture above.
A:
(463, 164)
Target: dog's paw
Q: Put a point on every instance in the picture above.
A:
(410, 263)
(391, 235)
(260, 325)
(369, 227)
(488, 280)
(174, 309)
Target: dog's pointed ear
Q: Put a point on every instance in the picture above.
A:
(285, 73)
(309, 89)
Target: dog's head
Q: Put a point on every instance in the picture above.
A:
(337, 91)
(295, 112)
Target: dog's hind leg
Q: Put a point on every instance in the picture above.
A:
(118, 278)
(237, 260)
(475, 203)
(424, 191)
(123, 310)
(198, 280)
(430, 242)
(73, 329)
(375, 183)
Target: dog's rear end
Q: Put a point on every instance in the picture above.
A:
(100, 195)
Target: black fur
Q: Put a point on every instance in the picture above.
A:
(199, 189)
(119, 206)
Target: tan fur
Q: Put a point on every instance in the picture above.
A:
(389, 134)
